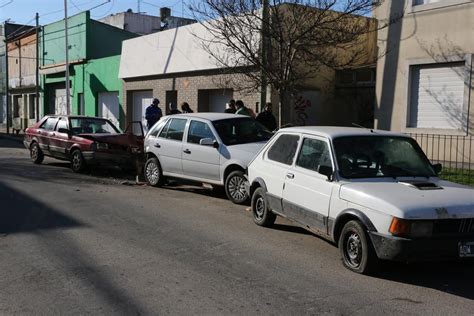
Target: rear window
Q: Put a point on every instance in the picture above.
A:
(49, 124)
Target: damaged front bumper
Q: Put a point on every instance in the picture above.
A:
(409, 250)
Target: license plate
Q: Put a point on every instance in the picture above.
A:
(466, 249)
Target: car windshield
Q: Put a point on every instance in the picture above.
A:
(241, 131)
(380, 156)
(92, 126)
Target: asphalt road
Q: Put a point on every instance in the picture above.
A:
(76, 244)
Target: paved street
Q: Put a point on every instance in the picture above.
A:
(74, 244)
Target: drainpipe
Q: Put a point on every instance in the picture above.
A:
(37, 68)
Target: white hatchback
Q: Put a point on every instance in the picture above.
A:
(212, 148)
(373, 193)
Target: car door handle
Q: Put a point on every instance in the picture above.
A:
(157, 145)
(187, 151)
(290, 175)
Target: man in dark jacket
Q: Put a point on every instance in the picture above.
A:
(266, 117)
(153, 113)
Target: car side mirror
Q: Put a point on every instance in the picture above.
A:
(209, 142)
(437, 167)
(327, 171)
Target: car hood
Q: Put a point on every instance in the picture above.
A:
(117, 139)
(412, 199)
(244, 152)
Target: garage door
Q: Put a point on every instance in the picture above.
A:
(109, 106)
(141, 100)
(218, 99)
(437, 95)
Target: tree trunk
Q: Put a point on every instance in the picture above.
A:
(284, 109)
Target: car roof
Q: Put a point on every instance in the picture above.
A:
(77, 116)
(332, 132)
(211, 116)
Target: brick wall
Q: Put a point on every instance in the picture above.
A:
(187, 87)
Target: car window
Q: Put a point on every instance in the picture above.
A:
(156, 128)
(174, 129)
(87, 125)
(283, 149)
(199, 130)
(49, 124)
(62, 124)
(380, 156)
(241, 131)
(313, 154)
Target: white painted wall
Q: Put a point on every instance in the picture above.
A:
(171, 51)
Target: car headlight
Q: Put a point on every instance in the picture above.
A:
(411, 228)
(99, 146)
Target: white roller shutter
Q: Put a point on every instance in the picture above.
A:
(437, 95)
(109, 106)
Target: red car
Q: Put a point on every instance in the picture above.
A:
(84, 141)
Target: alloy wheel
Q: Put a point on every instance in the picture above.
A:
(354, 249)
(237, 188)
(152, 173)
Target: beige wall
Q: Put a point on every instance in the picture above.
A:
(22, 62)
(433, 33)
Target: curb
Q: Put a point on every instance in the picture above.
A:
(18, 139)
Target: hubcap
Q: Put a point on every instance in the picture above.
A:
(152, 173)
(259, 208)
(76, 161)
(237, 188)
(34, 152)
(354, 249)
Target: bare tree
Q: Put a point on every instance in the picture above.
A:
(287, 42)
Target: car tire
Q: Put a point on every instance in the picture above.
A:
(235, 187)
(36, 153)
(153, 173)
(78, 164)
(357, 251)
(262, 215)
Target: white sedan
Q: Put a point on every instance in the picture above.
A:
(374, 193)
(212, 148)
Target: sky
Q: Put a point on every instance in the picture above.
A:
(23, 11)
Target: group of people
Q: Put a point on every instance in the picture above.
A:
(153, 112)
(266, 118)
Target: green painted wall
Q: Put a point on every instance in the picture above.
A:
(99, 46)
(53, 41)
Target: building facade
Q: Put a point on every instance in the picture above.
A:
(424, 81)
(425, 77)
(174, 67)
(22, 79)
(144, 24)
(94, 56)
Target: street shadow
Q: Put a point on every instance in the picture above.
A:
(293, 229)
(455, 278)
(195, 187)
(21, 213)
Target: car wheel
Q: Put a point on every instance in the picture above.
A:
(36, 153)
(235, 187)
(78, 164)
(153, 173)
(356, 249)
(262, 215)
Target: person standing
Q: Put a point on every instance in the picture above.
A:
(242, 109)
(153, 113)
(173, 109)
(230, 107)
(186, 108)
(266, 117)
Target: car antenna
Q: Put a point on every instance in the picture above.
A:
(360, 126)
